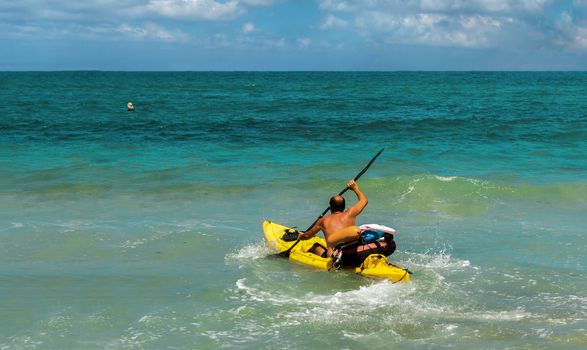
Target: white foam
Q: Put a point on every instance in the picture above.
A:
(136, 338)
(451, 327)
(385, 291)
(543, 333)
(440, 260)
(567, 301)
(512, 315)
(59, 321)
(445, 178)
(132, 244)
(22, 342)
(149, 319)
(411, 188)
(250, 252)
(363, 336)
(184, 226)
(75, 225)
(255, 294)
(393, 306)
(362, 297)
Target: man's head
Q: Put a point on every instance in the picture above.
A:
(336, 204)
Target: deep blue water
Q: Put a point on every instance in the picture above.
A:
(143, 229)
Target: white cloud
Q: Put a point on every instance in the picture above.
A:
(108, 10)
(63, 10)
(59, 18)
(333, 22)
(482, 6)
(570, 34)
(581, 37)
(20, 31)
(102, 32)
(564, 22)
(304, 43)
(431, 29)
(415, 6)
(152, 31)
(196, 9)
(224, 41)
(260, 2)
(341, 5)
(459, 23)
(248, 27)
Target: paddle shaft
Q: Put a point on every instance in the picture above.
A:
(286, 252)
(346, 188)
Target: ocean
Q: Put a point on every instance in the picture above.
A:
(142, 230)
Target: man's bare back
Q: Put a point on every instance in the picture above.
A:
(340, 225)
(336, 222)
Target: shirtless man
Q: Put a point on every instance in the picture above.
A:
(340, 226)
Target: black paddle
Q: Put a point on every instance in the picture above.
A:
(286, 253)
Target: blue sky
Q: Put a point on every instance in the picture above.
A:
(293, 35)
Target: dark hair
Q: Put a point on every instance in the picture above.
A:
(336, 203)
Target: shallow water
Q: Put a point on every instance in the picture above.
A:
(143, 230)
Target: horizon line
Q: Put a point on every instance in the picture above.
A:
(297, 71)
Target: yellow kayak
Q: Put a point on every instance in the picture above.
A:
(375, 265)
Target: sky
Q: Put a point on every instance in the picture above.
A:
(291, 35)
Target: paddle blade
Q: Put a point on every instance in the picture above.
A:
(286, 253)
(278, 255)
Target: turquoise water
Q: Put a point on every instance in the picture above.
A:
(142, 230)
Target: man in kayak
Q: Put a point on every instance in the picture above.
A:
(340, 226)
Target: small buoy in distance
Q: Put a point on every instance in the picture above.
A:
(130, 107)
